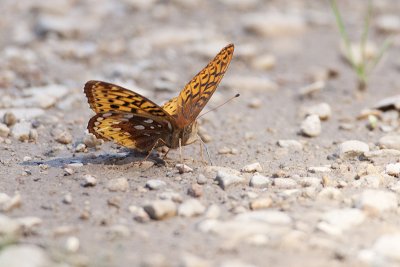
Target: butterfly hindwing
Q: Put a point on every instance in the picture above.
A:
(104, 97)
(130, 130)
(186, 107)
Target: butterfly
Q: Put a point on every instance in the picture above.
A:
(133, 121)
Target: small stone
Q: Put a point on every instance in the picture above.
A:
(91, 141)
(255, 103)
(114, 201)
(28, 224)
(160, 209)
(376, 201)
(21, 131)
(12, 203)
(352, 148)
(72, 244)
(191, 207)
(254, 167)
(174, 196)
(388, 23)
(74, 165)
(228, 150)
(183, 168)
(389, 103)
(319, 169)
(9, 118)
(67, 199)
(390, 141)
(118, 231)
(310, 182)
(195, 190)
(312, 89)
(139, 214)
(4, 130)
(235, 263)
(68, 171)
(264, 62)
(201, 179)
(226, 179)
(323, 110)
(388, 246)
(24, 255)
(190, 260)
(260, 181)
(284, 183)
(118, 184)
(213, 212)
(393, 169)
(311, 126)
(291, 144)
(62, 136)
(267, 216)
(155, 184)
(80, 148)
(273, 24)
(89, 180)
(344, 219)
(371, 181)
(251, 83)
(260, 203)
(382, 153)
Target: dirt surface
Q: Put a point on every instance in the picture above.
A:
(68, 201)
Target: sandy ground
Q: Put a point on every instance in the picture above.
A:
(67, 203)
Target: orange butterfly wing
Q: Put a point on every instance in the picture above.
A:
(187, 106)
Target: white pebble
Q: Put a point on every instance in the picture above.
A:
(191, 207)
(72, 244)
(21, 130)
(266, 216)
(254, 167)
(118, 184)
(155, 184)
(344, 219)
(352, 148)
(388, 246)
(291, 144)
(24, 255)
(183, 168)
(226, 179)
(260, 181)
(89, 180)
(393, 169)
(4, 130)
(284, 183)
(390, 141)
(161, 209)
(377, 201)
(311, 126)
(323, 110)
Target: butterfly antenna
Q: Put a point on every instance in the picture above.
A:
(220, 105)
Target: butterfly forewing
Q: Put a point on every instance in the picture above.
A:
(130, 130)
(186, 107)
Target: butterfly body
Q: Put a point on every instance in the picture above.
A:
(133, 121)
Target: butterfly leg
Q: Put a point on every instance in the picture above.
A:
(180, 150)
(202, 144)
(154, 146)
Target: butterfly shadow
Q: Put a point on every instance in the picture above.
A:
(125, 157)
